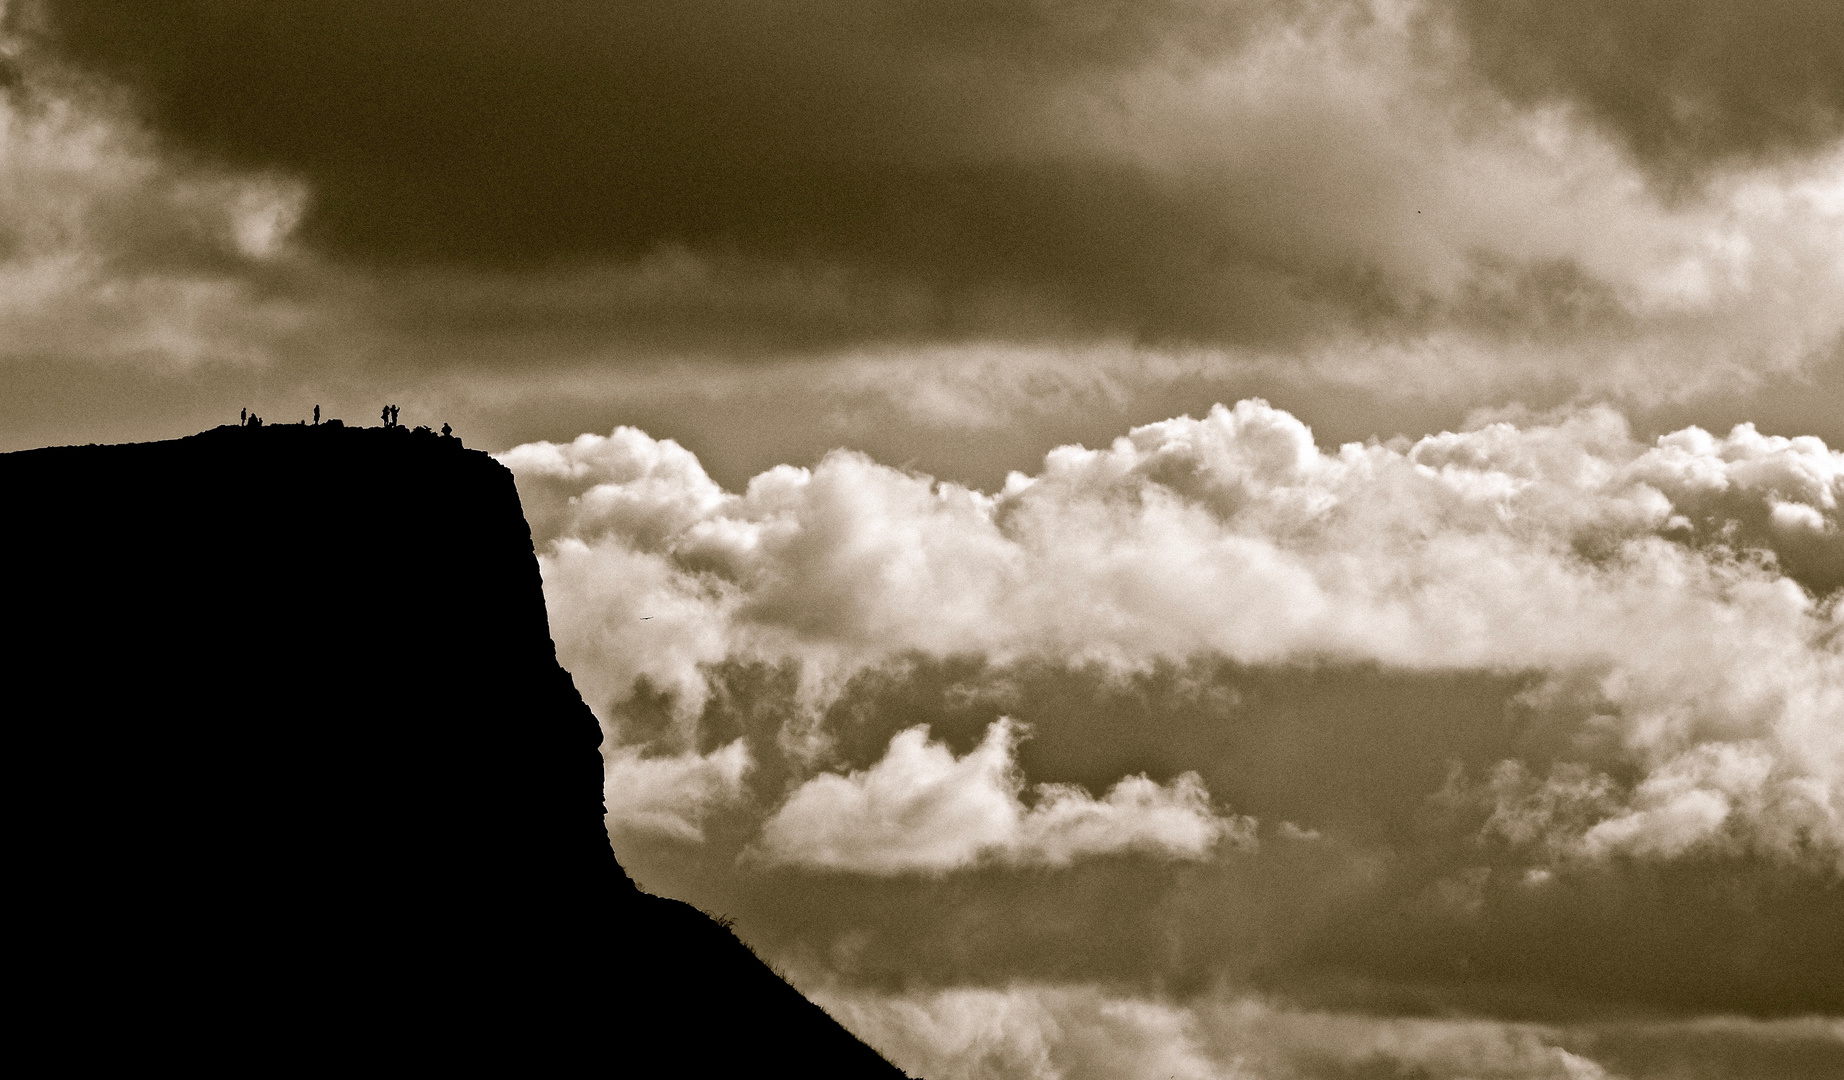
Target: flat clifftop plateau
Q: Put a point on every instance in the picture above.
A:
(296, 774)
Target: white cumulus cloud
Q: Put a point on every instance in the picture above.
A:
(922, 810)
(670, 796)
(1657, 588)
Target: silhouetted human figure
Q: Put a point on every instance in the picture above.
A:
(386, 416)
(316, 416)
(243, 417)
(395, 422)
(447, 432)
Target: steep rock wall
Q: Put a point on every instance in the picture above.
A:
(296, 773)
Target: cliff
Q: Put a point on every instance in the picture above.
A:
(297, 778)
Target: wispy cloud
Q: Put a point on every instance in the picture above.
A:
(1042, 1031)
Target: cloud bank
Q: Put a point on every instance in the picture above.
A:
(1678, 600)
(1440, 199)
(1520, 725)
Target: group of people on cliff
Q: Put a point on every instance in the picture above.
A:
(246, 418)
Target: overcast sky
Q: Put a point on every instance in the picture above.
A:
(1117, 538)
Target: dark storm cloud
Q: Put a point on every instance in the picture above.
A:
(797, 175)
(478, 131)
(1687, 83)
(882, 137)
(573, 187)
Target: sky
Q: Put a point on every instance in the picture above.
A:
(1182, 538)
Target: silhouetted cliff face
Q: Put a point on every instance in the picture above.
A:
(295, 766)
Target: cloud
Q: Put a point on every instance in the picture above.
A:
(922, 811)
(1407, 902)
(1039, 1031)
(671, 796)
(1047, 1030)
(1643, 583)
(1328, 188)
(1714, 798)
(1686, 84)
(1757, 491)
(622, 602)
(112, 253)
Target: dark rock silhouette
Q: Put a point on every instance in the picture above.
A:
(260, 820)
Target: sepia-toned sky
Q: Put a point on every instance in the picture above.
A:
(1174, 538)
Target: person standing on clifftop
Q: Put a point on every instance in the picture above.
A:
(386, 416)
(316, 416)
(243, 417)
